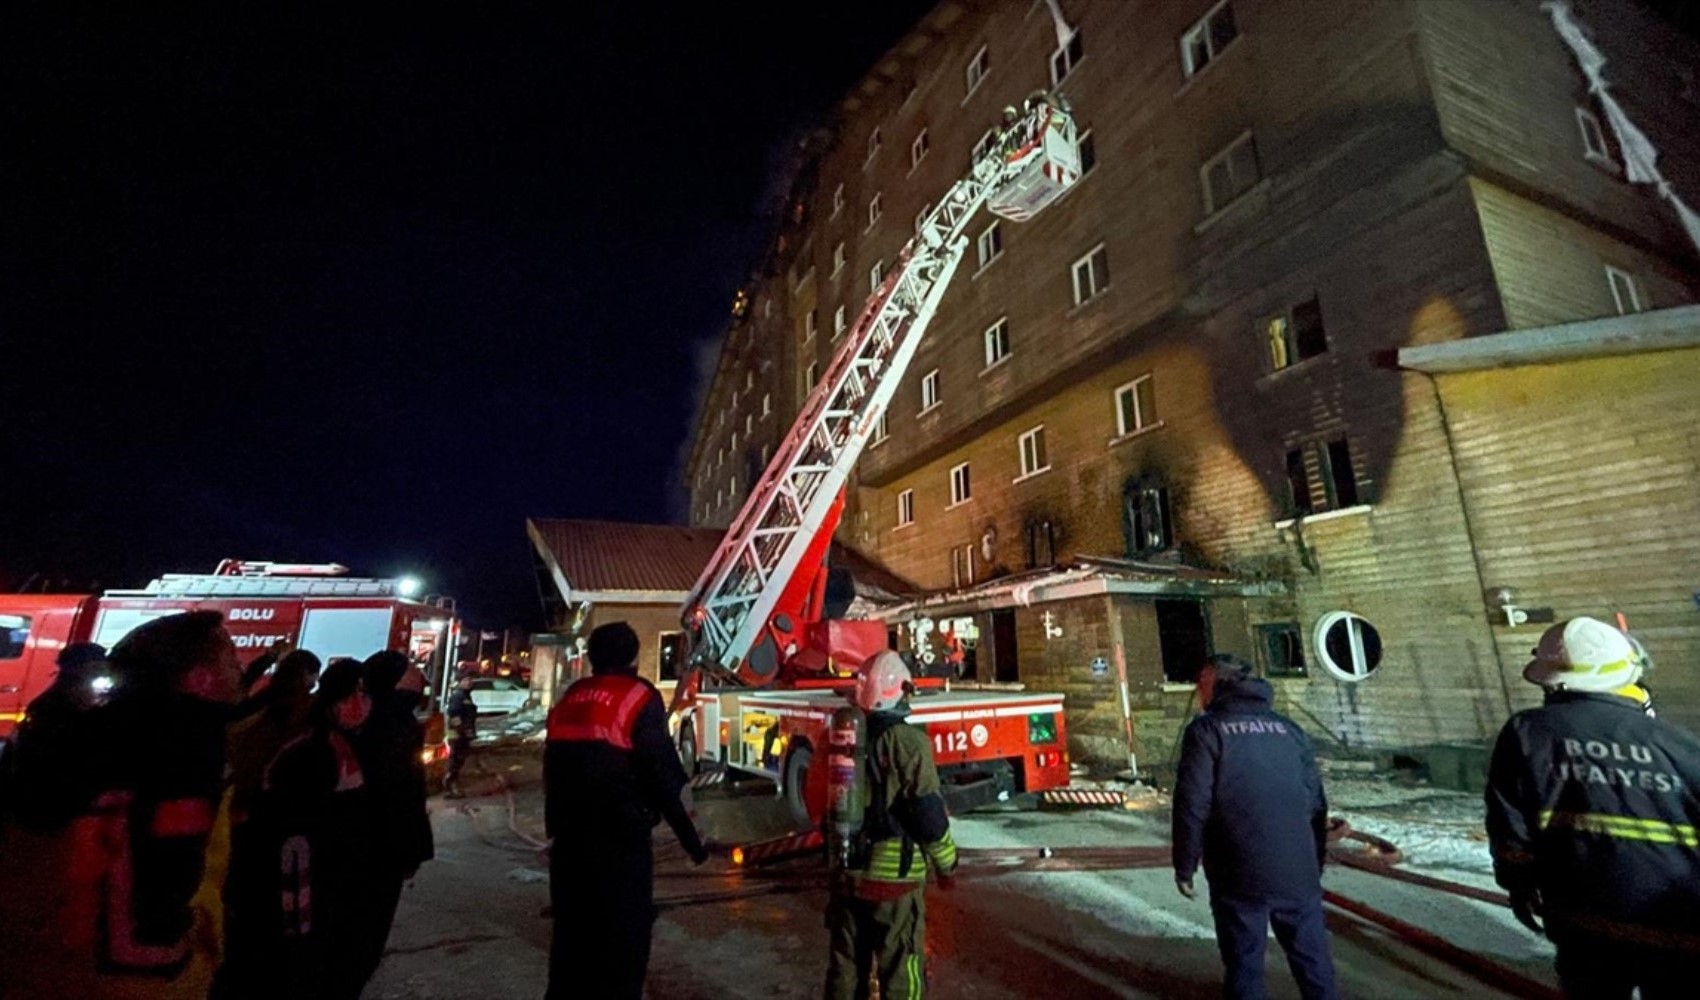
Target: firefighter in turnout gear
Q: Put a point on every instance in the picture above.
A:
(875, 912)
(1592, 807)
(610, 774)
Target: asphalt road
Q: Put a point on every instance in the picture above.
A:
(472, 926)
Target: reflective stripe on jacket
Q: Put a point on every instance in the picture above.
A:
(918, 828)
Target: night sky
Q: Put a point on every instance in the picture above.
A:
(374, 287)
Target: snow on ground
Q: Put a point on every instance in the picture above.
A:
(1438, 831)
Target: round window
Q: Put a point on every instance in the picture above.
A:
(1348, 646)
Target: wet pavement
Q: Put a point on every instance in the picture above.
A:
(471, 925)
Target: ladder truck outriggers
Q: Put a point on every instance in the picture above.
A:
(768, 665)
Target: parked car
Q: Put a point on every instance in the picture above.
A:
(498, 695)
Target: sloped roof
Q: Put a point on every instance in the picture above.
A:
(617, 560)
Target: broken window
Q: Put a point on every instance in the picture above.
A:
(1282, 649)
(1296, 335)
(1336, 477)
(1146, 518)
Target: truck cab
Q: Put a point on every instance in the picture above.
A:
(33, 629)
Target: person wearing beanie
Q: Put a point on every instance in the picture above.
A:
(610, 775)
(1249, 805)
(318, 811)
(390, 746)
(1592, 807)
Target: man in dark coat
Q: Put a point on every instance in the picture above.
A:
(610, 774)
(52, 766)
(462, 714)
(1249, 803)
(390, 747)
(1592, 808)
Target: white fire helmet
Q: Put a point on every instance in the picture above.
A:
(1583, 654)
(883, 682)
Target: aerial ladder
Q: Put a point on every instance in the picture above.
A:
(747, 612)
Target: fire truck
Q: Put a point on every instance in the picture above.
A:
(317, 607)
(769, 664)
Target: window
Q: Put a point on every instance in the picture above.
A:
(1146, 528)
(1229, 174)
(719, 498)
(875, 138)
(1091, 275)
(734, 399)
(1298, 483)
(1338, 481)
(962, 565)
(905, 508)
(929, 390)
(719, 457)
(809, 324)
(989, 244)
(1034, 459)
(921, 216)
(14, 636)
(983, 148)
(766, 403)
(1348, 646)
(1593, 137)
(811, 376)
(837, 200)
(1281, 649)
(961, 490)
(734, 441)
(1333, 461)
(838, 323)
(882, 429)
(1041, 539)
(1625, 291)
(749, 380)
(837, 259)
(749, 424)
(766, 455)
(977, 69)
(874, 208)
(997, 342)
(918, 149)
(1088, 151)
(670, 655)
(1206, 39)
(1064, 59)
(732, 486)
(1136, 406)
(876, 276)
(1295, 335)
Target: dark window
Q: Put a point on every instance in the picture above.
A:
(672, 653)
(1184, 639)
(1308, 338)
(1004, 667)
(1350, 647)
(1146, 527)
(1298, 482)
(1283, 650)
(1342, 485)
(1041, 544)
(1088, 153)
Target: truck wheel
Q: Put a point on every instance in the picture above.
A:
(688, 746)
(796, 780)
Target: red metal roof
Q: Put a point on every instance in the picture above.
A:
(619, 556)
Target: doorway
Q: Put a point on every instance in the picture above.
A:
(1185, 639)
(1004, 667)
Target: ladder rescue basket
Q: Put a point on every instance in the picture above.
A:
(1048, 161)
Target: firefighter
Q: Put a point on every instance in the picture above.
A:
(875, 914)
(610, 774)
(463, 728)
(1249, 803)
(122, 901)
(52, 766)
(1592, 807)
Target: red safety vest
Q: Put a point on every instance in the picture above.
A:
(603, 708)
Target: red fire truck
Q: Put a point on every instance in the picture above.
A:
(769, 661)
(315, 606)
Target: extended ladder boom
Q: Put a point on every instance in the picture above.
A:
(796, 500)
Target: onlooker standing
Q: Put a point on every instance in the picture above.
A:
(120, 901)
(1249, 802)
(282, 713)
(463, 728)
(51, 765)
(610, 774)
(1592, 807)
(390, 747)
(316, 804)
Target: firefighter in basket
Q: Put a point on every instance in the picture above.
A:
(889, 828)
